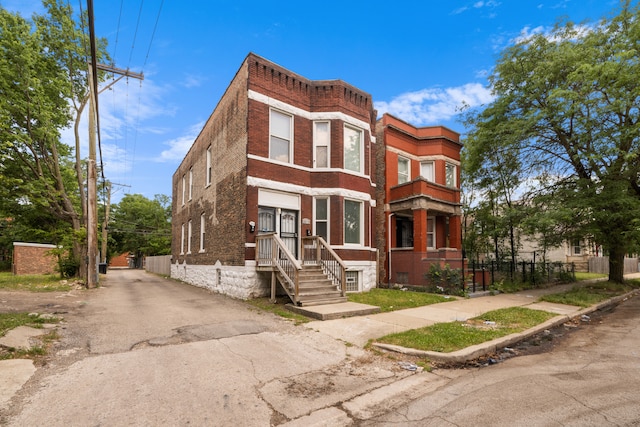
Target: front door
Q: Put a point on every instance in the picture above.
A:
(282, 222)
(289, 230)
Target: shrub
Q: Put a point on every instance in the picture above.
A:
(444, 280)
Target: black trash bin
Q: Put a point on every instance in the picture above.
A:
(102, 268)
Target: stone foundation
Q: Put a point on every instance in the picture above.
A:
(244, 282)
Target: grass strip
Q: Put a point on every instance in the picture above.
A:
(592, 293)
(278, 308)
(452, 336)
(396, 299)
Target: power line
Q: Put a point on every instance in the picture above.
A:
(135, 34)
(155, 26)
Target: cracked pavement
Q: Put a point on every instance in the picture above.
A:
(143, 350)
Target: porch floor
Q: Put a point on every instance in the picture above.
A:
(334, 311)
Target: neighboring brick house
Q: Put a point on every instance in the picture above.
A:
(279, 154)
(419, 191)
(125, 259)
(33, 258)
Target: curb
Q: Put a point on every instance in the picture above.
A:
(485, 348)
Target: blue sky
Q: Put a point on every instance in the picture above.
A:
(420, 60)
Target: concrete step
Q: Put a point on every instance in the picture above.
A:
(321, 301)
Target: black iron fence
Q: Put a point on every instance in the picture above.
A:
(485, 275)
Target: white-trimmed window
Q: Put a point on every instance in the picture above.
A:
(404, 170)
(353, 222)
(202, 232)
(182, 239)
(189, 231)
(208, 171)
(353, 280)
(353, 149)
(321, 144)
(321, 217)
(190, 183)
(184, 189)
(426, 170)
(431, 232)
(280, 136)
(450, 174)
(576, 247)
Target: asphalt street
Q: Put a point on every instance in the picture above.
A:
(591, 379)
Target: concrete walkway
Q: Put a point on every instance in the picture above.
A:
(360, 330)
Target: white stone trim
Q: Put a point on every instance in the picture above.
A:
(315, 115)
(311, 170)
(422, 158)
(307, 191)
(35, 245)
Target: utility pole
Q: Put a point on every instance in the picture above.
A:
(92, 197)
(92, 178)
(92, 205)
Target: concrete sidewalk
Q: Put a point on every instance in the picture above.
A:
(361, 329)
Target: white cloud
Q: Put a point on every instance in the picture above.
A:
(433, 106)
(192, 80)
(477, 5)
(528, 33)
(179, 146)
(126, 110)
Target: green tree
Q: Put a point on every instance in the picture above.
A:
(43, 69)
(33, 109)
(141, 226)
(566, 105)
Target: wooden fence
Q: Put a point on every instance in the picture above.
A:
(158, 264)
(601, 265)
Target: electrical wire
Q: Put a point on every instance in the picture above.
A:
(135, 34)
(153, 34)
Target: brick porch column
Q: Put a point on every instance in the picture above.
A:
(419, 230)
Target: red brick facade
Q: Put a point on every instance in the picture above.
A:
(249, 180)
(33, 258)
(421, 200)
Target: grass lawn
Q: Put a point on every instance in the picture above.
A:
(395, 299)
(33, 283)
(593, 293)
(279, 309)
(452, 336)
(588, 276)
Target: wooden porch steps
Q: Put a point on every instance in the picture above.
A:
(315, 288)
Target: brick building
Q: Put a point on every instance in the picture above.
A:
(285, 156)
(33, 258)
(419, 191)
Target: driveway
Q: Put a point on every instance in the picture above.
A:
(144, 350)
